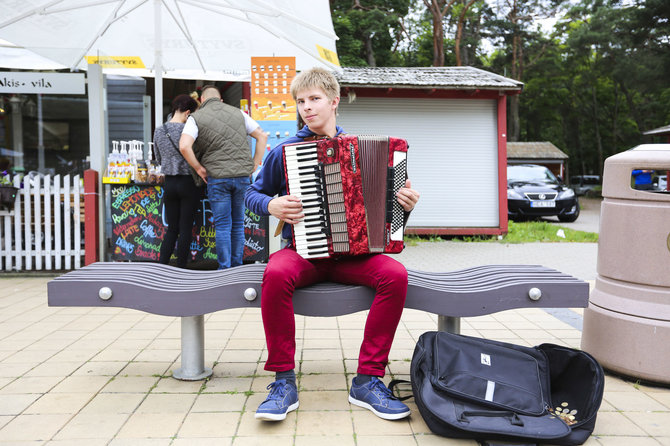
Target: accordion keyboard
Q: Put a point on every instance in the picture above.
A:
(306, 182)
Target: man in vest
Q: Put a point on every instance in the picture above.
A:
(214, 143)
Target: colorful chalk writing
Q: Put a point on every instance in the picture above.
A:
(255, 237)
(138, 227)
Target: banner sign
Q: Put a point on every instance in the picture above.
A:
(271, 79)
(328, 55)
(138, 227)
(43, 83)
(115, 61)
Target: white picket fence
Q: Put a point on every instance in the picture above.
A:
(43, 231)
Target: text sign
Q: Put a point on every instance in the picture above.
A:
(138, 227)
(44, 83)
(116, 61)
(255, 237)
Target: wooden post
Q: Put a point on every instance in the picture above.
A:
(91, 216)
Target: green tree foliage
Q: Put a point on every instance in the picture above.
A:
(515, 28)
(369, 31)
(423, 49)
(601, 82)
(592, 86)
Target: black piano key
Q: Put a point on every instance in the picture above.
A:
(301, 158)
(304, 147)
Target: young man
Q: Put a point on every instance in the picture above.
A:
(218, 133)
(316, 92)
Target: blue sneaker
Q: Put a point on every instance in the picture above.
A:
(283, 398)
(374, 395)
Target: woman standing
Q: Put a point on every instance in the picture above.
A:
(181, 196)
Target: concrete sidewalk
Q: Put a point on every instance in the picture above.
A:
(93, 376)
(589, 217)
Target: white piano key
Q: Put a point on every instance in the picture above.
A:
(297, 170)
(301, 163)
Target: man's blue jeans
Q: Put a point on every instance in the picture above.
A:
(226, 198)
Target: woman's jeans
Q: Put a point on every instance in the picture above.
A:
(226, 198)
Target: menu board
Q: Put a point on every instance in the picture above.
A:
(139, 226)
(256, 229)
(271, 98)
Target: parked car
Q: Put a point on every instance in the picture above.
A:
(533, 191)
(584, 184)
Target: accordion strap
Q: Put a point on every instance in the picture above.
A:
(318, 137)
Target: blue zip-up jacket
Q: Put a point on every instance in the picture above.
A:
(271, 179)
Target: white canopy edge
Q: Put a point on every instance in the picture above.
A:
(13, 57)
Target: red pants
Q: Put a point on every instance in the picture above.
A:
(286, 271)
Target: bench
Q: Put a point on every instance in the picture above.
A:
(190, 294)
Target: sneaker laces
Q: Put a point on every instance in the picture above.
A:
(380, 389)
(277, 390)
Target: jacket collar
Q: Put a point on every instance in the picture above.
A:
(208, 101)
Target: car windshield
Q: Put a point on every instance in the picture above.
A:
(530, 174)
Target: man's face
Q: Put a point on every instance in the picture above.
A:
(316, 110)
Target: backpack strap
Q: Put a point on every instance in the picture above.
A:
(394, 383)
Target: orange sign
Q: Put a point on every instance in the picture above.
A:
(270, 84)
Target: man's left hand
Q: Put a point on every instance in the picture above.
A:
(407, 197)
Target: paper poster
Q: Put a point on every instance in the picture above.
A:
(270, 89)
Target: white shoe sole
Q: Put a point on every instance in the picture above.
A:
(386, 416)
(276, 416)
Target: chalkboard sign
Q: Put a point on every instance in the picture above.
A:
(138, 227)
(255, 237)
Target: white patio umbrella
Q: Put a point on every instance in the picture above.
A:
(11, 56)
(206, 39)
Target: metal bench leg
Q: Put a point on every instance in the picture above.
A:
(449, 323)
(192, 350)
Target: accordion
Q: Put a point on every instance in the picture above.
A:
(348, 187)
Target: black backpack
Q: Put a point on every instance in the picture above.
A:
(486, 390)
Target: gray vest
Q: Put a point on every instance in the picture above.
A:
(222, 145)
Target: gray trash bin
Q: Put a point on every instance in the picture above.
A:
(627, 323)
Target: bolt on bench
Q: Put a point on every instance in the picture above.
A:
(189, 294)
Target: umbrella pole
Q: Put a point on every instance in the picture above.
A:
(98, 137)
(158, 65)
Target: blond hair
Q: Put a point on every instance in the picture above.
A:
(316, 78)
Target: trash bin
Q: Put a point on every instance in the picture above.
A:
(627, 324)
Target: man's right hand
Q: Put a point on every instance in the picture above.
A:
(287, 208)
(202, 172)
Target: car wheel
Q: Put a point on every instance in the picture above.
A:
(570, 218)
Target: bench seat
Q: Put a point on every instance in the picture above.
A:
(190, 294)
